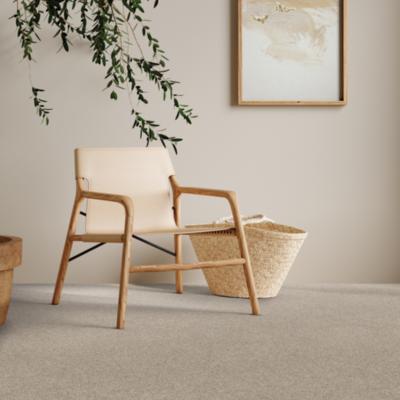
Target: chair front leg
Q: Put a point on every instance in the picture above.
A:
(124, 277)
(244, 253)
(248, 273)
(66, 252)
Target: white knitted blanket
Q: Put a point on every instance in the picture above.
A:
(246, 219)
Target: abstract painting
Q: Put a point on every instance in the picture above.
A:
(292, 52)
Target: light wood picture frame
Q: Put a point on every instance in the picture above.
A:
(292, 52)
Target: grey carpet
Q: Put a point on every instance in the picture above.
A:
(312, 342)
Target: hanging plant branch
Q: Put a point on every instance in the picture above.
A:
(40, 105)
(110, 27)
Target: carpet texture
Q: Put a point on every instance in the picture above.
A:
(312, 342)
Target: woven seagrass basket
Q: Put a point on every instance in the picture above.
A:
(273, 249)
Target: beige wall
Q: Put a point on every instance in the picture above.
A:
(333, 171)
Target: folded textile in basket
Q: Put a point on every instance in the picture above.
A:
(246, 219)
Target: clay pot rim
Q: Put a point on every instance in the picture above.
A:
(7, 239)
(10, 252)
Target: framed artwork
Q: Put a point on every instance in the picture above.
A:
(292, 52)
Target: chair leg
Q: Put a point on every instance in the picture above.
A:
(244, 253)
(62, 271)
(123, 284)
(66, 252)
(178, 260)
(179, 282)
(248, 272)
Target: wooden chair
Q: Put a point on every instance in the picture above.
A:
(134, 191)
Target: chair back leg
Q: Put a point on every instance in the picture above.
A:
(177, 239)
(66, 252)
(178, 260)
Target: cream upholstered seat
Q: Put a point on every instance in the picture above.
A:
(131, 191)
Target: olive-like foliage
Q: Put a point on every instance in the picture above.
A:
(120, 40)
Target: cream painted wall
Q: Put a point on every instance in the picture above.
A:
(333, 171)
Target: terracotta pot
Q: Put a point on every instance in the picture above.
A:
(10, 257)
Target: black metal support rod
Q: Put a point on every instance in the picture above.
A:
(156, 246)
(86, 251)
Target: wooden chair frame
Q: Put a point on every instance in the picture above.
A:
(126, 238)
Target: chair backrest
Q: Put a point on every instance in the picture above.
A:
(140, 173)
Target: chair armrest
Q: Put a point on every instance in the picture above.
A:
(228, 194)
(125, 201)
